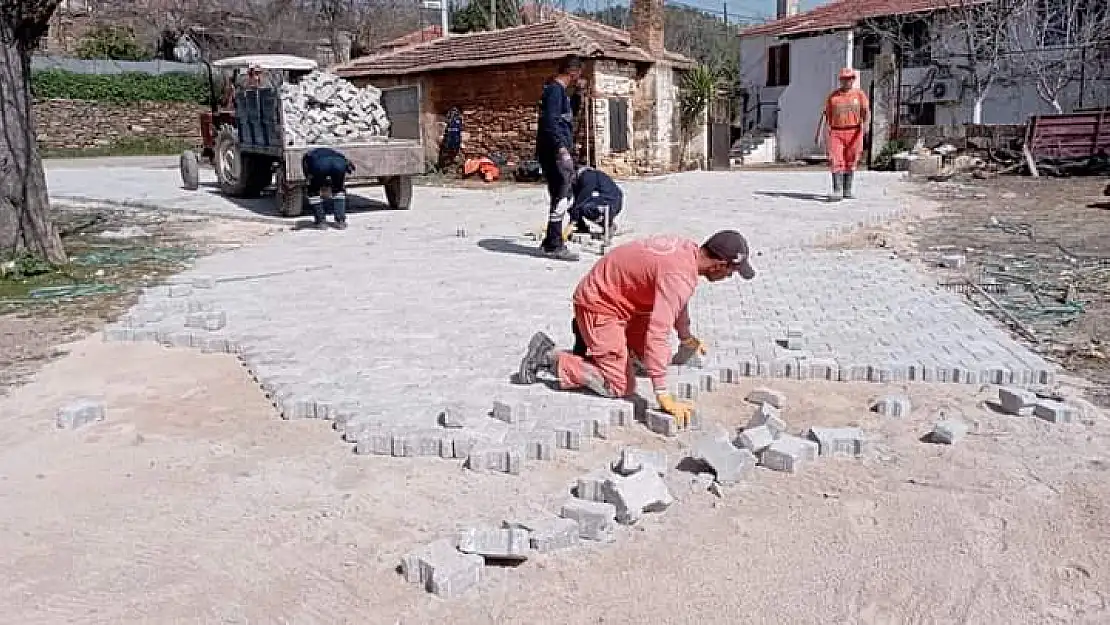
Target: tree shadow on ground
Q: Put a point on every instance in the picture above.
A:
(795, 195)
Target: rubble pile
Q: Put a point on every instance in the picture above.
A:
(324, 109)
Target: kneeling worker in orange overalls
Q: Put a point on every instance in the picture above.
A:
(627, 305)
(848, 112)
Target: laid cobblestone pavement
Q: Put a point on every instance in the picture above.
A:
(399, 316)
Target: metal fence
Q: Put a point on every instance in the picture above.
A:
(99, 66)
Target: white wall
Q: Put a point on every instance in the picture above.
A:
(814, 64)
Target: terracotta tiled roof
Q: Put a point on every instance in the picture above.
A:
(562, 36)
(844, 14)
(420, 36)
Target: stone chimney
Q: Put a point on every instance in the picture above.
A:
(786, 8)
(647, 26)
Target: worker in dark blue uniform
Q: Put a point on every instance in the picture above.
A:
(555, 151)
(327, 167)
(594, 190)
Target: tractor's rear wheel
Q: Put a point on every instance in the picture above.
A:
(398, 192)
(190, 170)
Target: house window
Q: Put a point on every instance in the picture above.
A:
(778, 65)
(618, 124)
(920, 114)
(914, 39)
(869, 48)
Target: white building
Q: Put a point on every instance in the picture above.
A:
(789, 66)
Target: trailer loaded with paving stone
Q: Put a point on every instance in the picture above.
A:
(287, 108)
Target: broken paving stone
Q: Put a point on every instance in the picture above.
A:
(837, 441)
(756, 439)
(637, 494)
(768, 415)
(495, 544)
(729, 463)
(633, 460)
(788, 454)
(1016, 401)
(596, 520)
(80, 413)
(1056, 411)
(441, 569)
(949, 431)
(892, 406)
(763, 395)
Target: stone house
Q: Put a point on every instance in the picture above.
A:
(629, 123)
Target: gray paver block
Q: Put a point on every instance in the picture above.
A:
(788, 454)
(119, 335)
(708, 383)
(764, 395)
(179, 290)
(211, 321)
(729, 463)
(833, 441)
(571, 438)
(498, 459)
(1016, 401)
(79, 413)
(452, 416)
(495, 543)
(1056, 411)
(824, 369)
(554, 534)
(441, 569)
(952, 261)
(298, 408)
(596, 520)
(949, 431)
(622, 416)
(633, 460)
(417, 443)
(589, 486)
(892, 406)
(535, 445)
(756, 439)
(634, 495)
(661, 423)
(768, 415)
(516, 412)
(685, 390)
(795, 340)
(204, 282)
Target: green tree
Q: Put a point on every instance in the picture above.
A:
(112, 42)
(475, 16)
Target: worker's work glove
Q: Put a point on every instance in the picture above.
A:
(688, 348)
(680, 410)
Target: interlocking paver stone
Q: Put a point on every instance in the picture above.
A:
(453, 325)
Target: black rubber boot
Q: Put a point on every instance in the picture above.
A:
(848, 186)
(539, 357)
(836, 194)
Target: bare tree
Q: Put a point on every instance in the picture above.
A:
(1059, 37)
(25, 224)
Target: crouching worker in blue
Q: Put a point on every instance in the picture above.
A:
(326, 167)
(594, 190)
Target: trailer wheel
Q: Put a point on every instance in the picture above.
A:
(290, 197)
(190, 170)
(398, 192)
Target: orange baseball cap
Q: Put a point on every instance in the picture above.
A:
(847, 73)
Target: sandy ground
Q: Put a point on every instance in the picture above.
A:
(193, 502)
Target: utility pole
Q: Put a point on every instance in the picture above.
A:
(443, 18)
(493, 14)
(725, 10)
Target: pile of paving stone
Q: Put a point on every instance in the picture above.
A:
(324, 109)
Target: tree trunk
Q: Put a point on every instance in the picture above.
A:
(977, 111)
(25, 224)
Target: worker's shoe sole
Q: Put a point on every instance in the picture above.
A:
(537, 358)
(561, 253)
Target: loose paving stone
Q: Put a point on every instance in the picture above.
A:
(596, 520)
(661, 423)
(1055, 411)
(553, 534)
(589, 486)
(949, 431)
(510, 413)
(80, 413)
(838, 441)
(1016, 401)
(633, 460)
(441, 569)
(788, 454)
(453, 416)
(763, 395)
(769, 416)
(892, 406)
(210, 321)
(729, 463)
(376, 442)
(494, 543)
(756, 439)
(637, 494)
